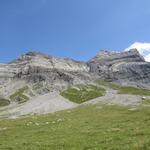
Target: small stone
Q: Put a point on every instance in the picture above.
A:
(37, 124)
(46, 122)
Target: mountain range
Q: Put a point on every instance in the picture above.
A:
(35, 74)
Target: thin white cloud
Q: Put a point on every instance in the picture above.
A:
(143, 48)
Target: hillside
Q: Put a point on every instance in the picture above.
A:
(92, 127)
(35, 82)
(55, 103)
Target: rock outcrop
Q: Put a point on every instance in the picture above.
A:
(125, 67)
(36, 68)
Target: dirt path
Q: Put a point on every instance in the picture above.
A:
(112, 97)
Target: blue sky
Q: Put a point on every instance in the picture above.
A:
(71, 28)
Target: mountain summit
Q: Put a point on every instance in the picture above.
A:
(125, 67)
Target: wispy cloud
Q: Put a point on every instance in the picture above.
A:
(143, 48)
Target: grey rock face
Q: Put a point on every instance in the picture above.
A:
(42, 73)
(125, 67)
(34, 68)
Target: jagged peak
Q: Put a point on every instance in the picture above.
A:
(36, 53)
(133, 50)
(108, 52)
(132, 55)
(31, 55)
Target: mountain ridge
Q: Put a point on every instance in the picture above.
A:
(127, 68)
(35, 77)
(104, 65)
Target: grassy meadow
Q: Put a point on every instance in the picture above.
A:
(125, 89)
(91, 127)
(82, 93)
(87, 127)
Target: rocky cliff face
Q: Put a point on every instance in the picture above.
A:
(48, 73)
(37, 66)
(37, 73)
(36, 59)
(124, 67)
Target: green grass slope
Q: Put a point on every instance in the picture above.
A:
(4, 102)
(19, 95)
(84, 128)
(125, 89)
(146, 102)
(82, 93)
